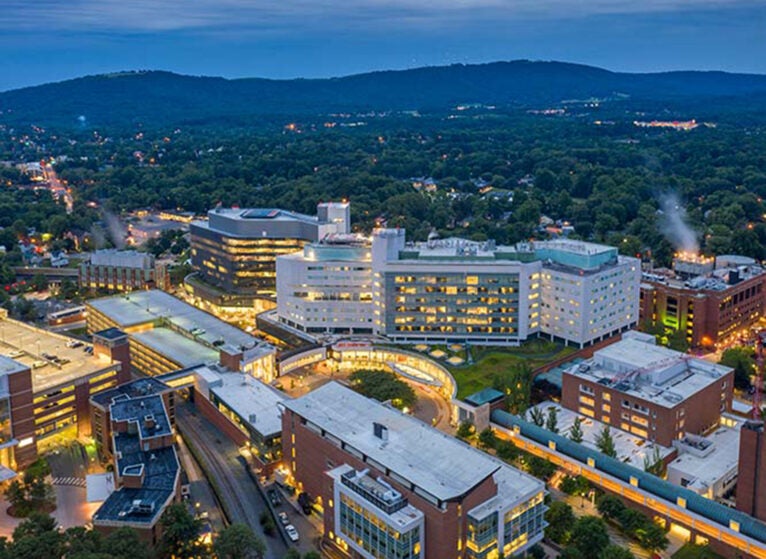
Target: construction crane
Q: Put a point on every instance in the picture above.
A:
(759, 341)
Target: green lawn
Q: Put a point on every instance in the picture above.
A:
(690, 551)
(488, 361)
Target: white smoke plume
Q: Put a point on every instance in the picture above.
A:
(116, 229)
(673, 224)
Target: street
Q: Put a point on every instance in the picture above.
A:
(240, 496)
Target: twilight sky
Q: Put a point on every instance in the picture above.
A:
(50, 40)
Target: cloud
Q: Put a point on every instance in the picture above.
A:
(151, 16)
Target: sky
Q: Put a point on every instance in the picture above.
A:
(50, 40)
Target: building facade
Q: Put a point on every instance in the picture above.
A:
(146, 467)
(43, 393)
(166, 334)
(459, 290)
(751, 482)
(708, 303)
(649, 391)
(118, 270)
(393, 487)
(234, 252)
(327, 288)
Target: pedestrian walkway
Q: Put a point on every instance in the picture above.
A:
(74, 481)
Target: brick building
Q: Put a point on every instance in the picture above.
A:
(146, 467)
(649, 391)
(392, 486)
(710, 308)
(46, 382)
(751, 481)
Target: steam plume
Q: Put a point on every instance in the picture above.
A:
(673, 224)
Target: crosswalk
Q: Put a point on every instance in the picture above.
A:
(75, 481)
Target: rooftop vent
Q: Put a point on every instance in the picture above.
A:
(380, 431)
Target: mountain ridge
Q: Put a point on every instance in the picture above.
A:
(166, 97)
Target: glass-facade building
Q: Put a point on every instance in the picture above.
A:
(374, 519)
(234, 252)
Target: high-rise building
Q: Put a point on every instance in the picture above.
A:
(459, 290)
(327, 288)
(392, 487)
(234, 252)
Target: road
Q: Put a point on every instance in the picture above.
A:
(224, 464)
(57, 189)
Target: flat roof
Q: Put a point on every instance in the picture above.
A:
(138, 409)
(640, 368)
(630, 449)
(256, 403)
(705, 471)
(134, 389)
(177, 347)
(151, 306)
(27, 344)
(484, 396)
(160, 470)
(434, 461)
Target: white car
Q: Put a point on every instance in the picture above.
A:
(283, 518)
(292, 533)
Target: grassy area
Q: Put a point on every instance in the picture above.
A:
(490, 361)
(691, 551)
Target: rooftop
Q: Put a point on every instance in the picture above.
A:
(121, 258)
(638, 367)
(630, 449)
(717, 456)
(133, 389)
(155, 306)
(140, 410)
(256, 403)
(488, 395)
(177, 347)
(47, 354)
(144, 505)
(437, 463)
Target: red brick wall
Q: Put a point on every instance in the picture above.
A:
(22, 416)
(210, 412)
(315, 455)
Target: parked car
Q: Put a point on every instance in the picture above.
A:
(274, 497)
(292, 533)
(283, 518)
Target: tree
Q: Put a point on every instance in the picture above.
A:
(384, 386)
(465, 430)
(506, 450)
(561, 520)
(605, 442)
(610, 506)
(180, 533)
(238, 541)
(571, 552)
(589, 535)
(575, 432)
(124, 543)
(652, 537)
(37, 537)
(292, 553)
(39, 282)
(516, 384)
(654, 464)
(551, 422)
(615, 552)
(741, 360)
(536, 416)
(312, 555)
(487, 438)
